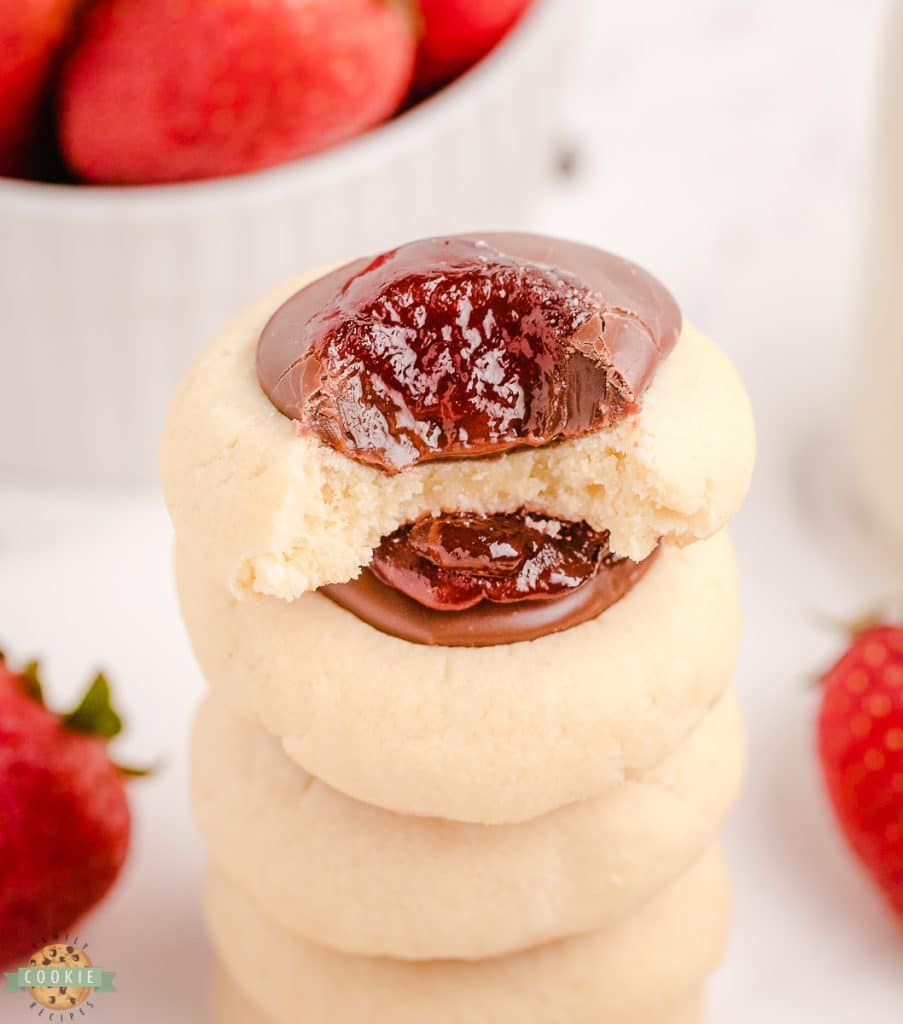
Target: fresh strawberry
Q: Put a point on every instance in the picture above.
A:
(64, 817)
(156, 91)
(457, 33)
(860, 743)
(32, 33)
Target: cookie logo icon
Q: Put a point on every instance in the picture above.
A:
(60, 997)
(60, 977)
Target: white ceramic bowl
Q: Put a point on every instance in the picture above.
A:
(106, 293)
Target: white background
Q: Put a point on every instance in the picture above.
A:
(725, 145)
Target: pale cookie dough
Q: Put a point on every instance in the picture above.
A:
(636, 972)
(491, 734)
(270, 512)
(364, 880)
(232, 1006)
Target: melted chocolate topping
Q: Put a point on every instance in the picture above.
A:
(485, 624)
(466, 346)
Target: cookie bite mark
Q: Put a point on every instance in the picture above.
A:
(465, 347)
(469, 580)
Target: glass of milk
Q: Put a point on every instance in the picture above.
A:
(877, 396)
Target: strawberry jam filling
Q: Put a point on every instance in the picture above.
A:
(466, 346)
(455, 561)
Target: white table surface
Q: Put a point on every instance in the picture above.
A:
(739, 175)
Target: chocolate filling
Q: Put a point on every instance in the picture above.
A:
(466, 346)
(467, 580)
(485, 624)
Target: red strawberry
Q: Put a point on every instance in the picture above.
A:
(64, 817)
(860, 742)
(157, 91)
(457, 33)
(32, 33)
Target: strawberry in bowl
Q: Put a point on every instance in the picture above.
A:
(153, 93)
(140, 92)
(32, 38)
(458, 33)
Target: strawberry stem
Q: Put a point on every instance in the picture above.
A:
(95, 714)
(31, 682)
(131, 772)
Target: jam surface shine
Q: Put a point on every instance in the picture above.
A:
(457, 347)
(457, 560)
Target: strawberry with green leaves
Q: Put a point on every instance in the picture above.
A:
(64, 815)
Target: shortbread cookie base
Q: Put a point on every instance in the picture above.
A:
(232, 1006)
(634, 973)
(363, 880)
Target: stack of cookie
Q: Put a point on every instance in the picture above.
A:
(450, 550)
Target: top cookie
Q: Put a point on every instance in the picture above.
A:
(487, 375)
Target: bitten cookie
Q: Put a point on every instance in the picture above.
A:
(362, 880)
(636, 972)
(269, 508)
(492, 734)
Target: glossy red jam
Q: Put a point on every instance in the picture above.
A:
(455, 561)
(461, 347)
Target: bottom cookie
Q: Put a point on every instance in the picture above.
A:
(637, 972)
(232, 1006)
